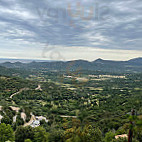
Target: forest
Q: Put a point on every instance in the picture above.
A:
(79, 106)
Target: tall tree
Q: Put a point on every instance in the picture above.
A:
(6, 133)
(40, 135)
(23, 133)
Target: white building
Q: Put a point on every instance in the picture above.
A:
(35, 123)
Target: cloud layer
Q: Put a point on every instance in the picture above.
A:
(70, 25)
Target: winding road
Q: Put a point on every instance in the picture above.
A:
(25, 89)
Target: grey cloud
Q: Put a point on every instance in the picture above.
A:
(113, 26)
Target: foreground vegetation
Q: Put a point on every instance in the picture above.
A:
(79, 106)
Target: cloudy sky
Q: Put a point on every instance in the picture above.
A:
(71, 29)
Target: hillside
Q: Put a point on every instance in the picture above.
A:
(21, 72)
(84, 104)
(130, 66)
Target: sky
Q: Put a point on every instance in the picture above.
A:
(71, 29)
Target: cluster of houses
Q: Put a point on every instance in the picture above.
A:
(34, 122)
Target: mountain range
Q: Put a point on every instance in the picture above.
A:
(133, 65)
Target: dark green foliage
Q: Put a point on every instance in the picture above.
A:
(56, 135)
(6, 133)
(103, 103)
(23, 133)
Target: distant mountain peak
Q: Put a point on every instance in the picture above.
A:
(99, 60)
(133, 65)
(139, 59)
(18, 62)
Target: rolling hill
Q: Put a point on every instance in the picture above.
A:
(133, 65)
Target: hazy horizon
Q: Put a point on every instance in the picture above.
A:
(13, 60)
